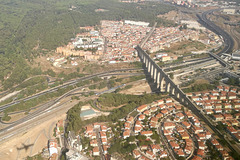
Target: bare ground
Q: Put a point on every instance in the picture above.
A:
(37, 138)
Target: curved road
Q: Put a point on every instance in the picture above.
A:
(228, 41)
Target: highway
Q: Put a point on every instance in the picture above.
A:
(46, 108)
(69, 83)
(228, 41)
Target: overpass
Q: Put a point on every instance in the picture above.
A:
(160, 78)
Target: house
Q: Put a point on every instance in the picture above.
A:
(234, 122)
(201, 153)
(159, 115)
(214, 142)
(163, 154)
(201, 136)
(197, 129)
(141, 117)
(227, 116)
(137, 129)
(154, 120)
(146, 133)
(219, 147)
(221, 97)
(95, 151)
(104, 141)
(236, 105)
(153, 125)
(237, 115)
(208, 111)
(214, 93)
(167, 132)
(174, 145)
(188, 149)
(232, 95)
(96, 125)
(153, 109)
(104, 128)
(217, 110)
(103, 134)
(195, 98)
(189, 142)
(178, 107)
(147, 113)
(169, 125)
(162, 106)
(227, 105)
(164, 111)
(180, 115)
(136, 153)
(189, 94)
(105, 149)
(196, 158)
(226, 88)
(186, 124)
(169, 138)
(144, 147)
(168, 100)
(130, 119)
(138, 124)
(236, 136)
(201, 145)
(208, 135)
(184, 135)
(218, 106)
(89, 129)
(220, 88)
(231, 130)
(74, 141)
(52, 147)
(142, 108)
(233, 90)
(204, 97)
(94, 143)
(127, 125)
(179, 152)
(159, 102)
(213, 97)
(126, 133)
(150, 154)
(155, 148)
(180, 129)
(218, 117)
(207, 106)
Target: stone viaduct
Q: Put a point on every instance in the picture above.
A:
(161, 80)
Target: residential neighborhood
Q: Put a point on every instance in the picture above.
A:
(165, 129)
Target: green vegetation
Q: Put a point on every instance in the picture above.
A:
(129, 102)
(234, 82)
(36, 101)
(199, 87)
(6, 117)
(31, 28)
(36, 157)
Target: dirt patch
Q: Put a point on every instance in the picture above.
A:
(184, 47)
(87, 67)
(172, 15)
(138, 88)
(35, 139)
